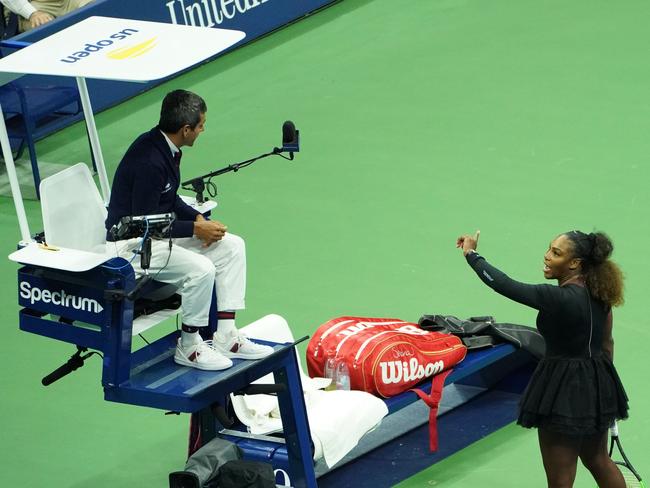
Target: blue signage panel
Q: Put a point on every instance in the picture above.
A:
(61, 298)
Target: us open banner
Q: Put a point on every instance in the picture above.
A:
(254, 18)
(120, 49)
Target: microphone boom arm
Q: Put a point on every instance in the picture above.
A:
(198, 184)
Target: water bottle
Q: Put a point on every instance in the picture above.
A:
(342, 376)
(330, 370)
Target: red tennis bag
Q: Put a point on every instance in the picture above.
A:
(387, 357)
(384, 356)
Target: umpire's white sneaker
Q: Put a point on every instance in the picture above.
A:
(201, 356)
(240, 347)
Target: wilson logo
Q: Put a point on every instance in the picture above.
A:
(61, 298)
(121, 53)
(408, 371)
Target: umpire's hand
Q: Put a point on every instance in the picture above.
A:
(208, 231)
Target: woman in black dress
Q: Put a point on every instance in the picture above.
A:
(575, 393)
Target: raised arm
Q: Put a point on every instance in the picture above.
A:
(535, 296)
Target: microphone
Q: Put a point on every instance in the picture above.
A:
(290, 139)
(288, 133)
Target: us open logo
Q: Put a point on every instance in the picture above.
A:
(121, 53)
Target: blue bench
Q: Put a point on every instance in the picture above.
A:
(480, 397)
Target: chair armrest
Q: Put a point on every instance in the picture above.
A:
(61, 258)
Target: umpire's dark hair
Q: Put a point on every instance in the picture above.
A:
(181, 108)
(603, 277)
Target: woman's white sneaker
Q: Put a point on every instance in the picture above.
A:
(201, 356)
(238, 346)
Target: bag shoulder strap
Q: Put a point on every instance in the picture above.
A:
(433, 401)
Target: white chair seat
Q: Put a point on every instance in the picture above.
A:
(146, 322)
(73, 210)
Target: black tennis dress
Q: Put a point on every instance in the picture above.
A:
(575, 389)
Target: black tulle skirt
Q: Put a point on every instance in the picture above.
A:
(573, 396)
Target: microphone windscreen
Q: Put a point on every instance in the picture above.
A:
(288, 132)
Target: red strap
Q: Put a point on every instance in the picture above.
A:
(195, 434)
(433, 400)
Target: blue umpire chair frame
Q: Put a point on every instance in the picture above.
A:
(149, 377)
(78, 293)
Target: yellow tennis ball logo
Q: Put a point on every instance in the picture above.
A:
(129, 52)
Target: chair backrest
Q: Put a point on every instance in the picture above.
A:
(73, 210)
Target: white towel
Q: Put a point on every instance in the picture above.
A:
(337, 419)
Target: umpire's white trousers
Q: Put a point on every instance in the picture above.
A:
(195, 269)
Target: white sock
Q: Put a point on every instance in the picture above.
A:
(225, 330)
(190, 338)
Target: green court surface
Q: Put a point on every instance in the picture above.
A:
(419, 121)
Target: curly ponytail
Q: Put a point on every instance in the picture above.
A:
(603, 277)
